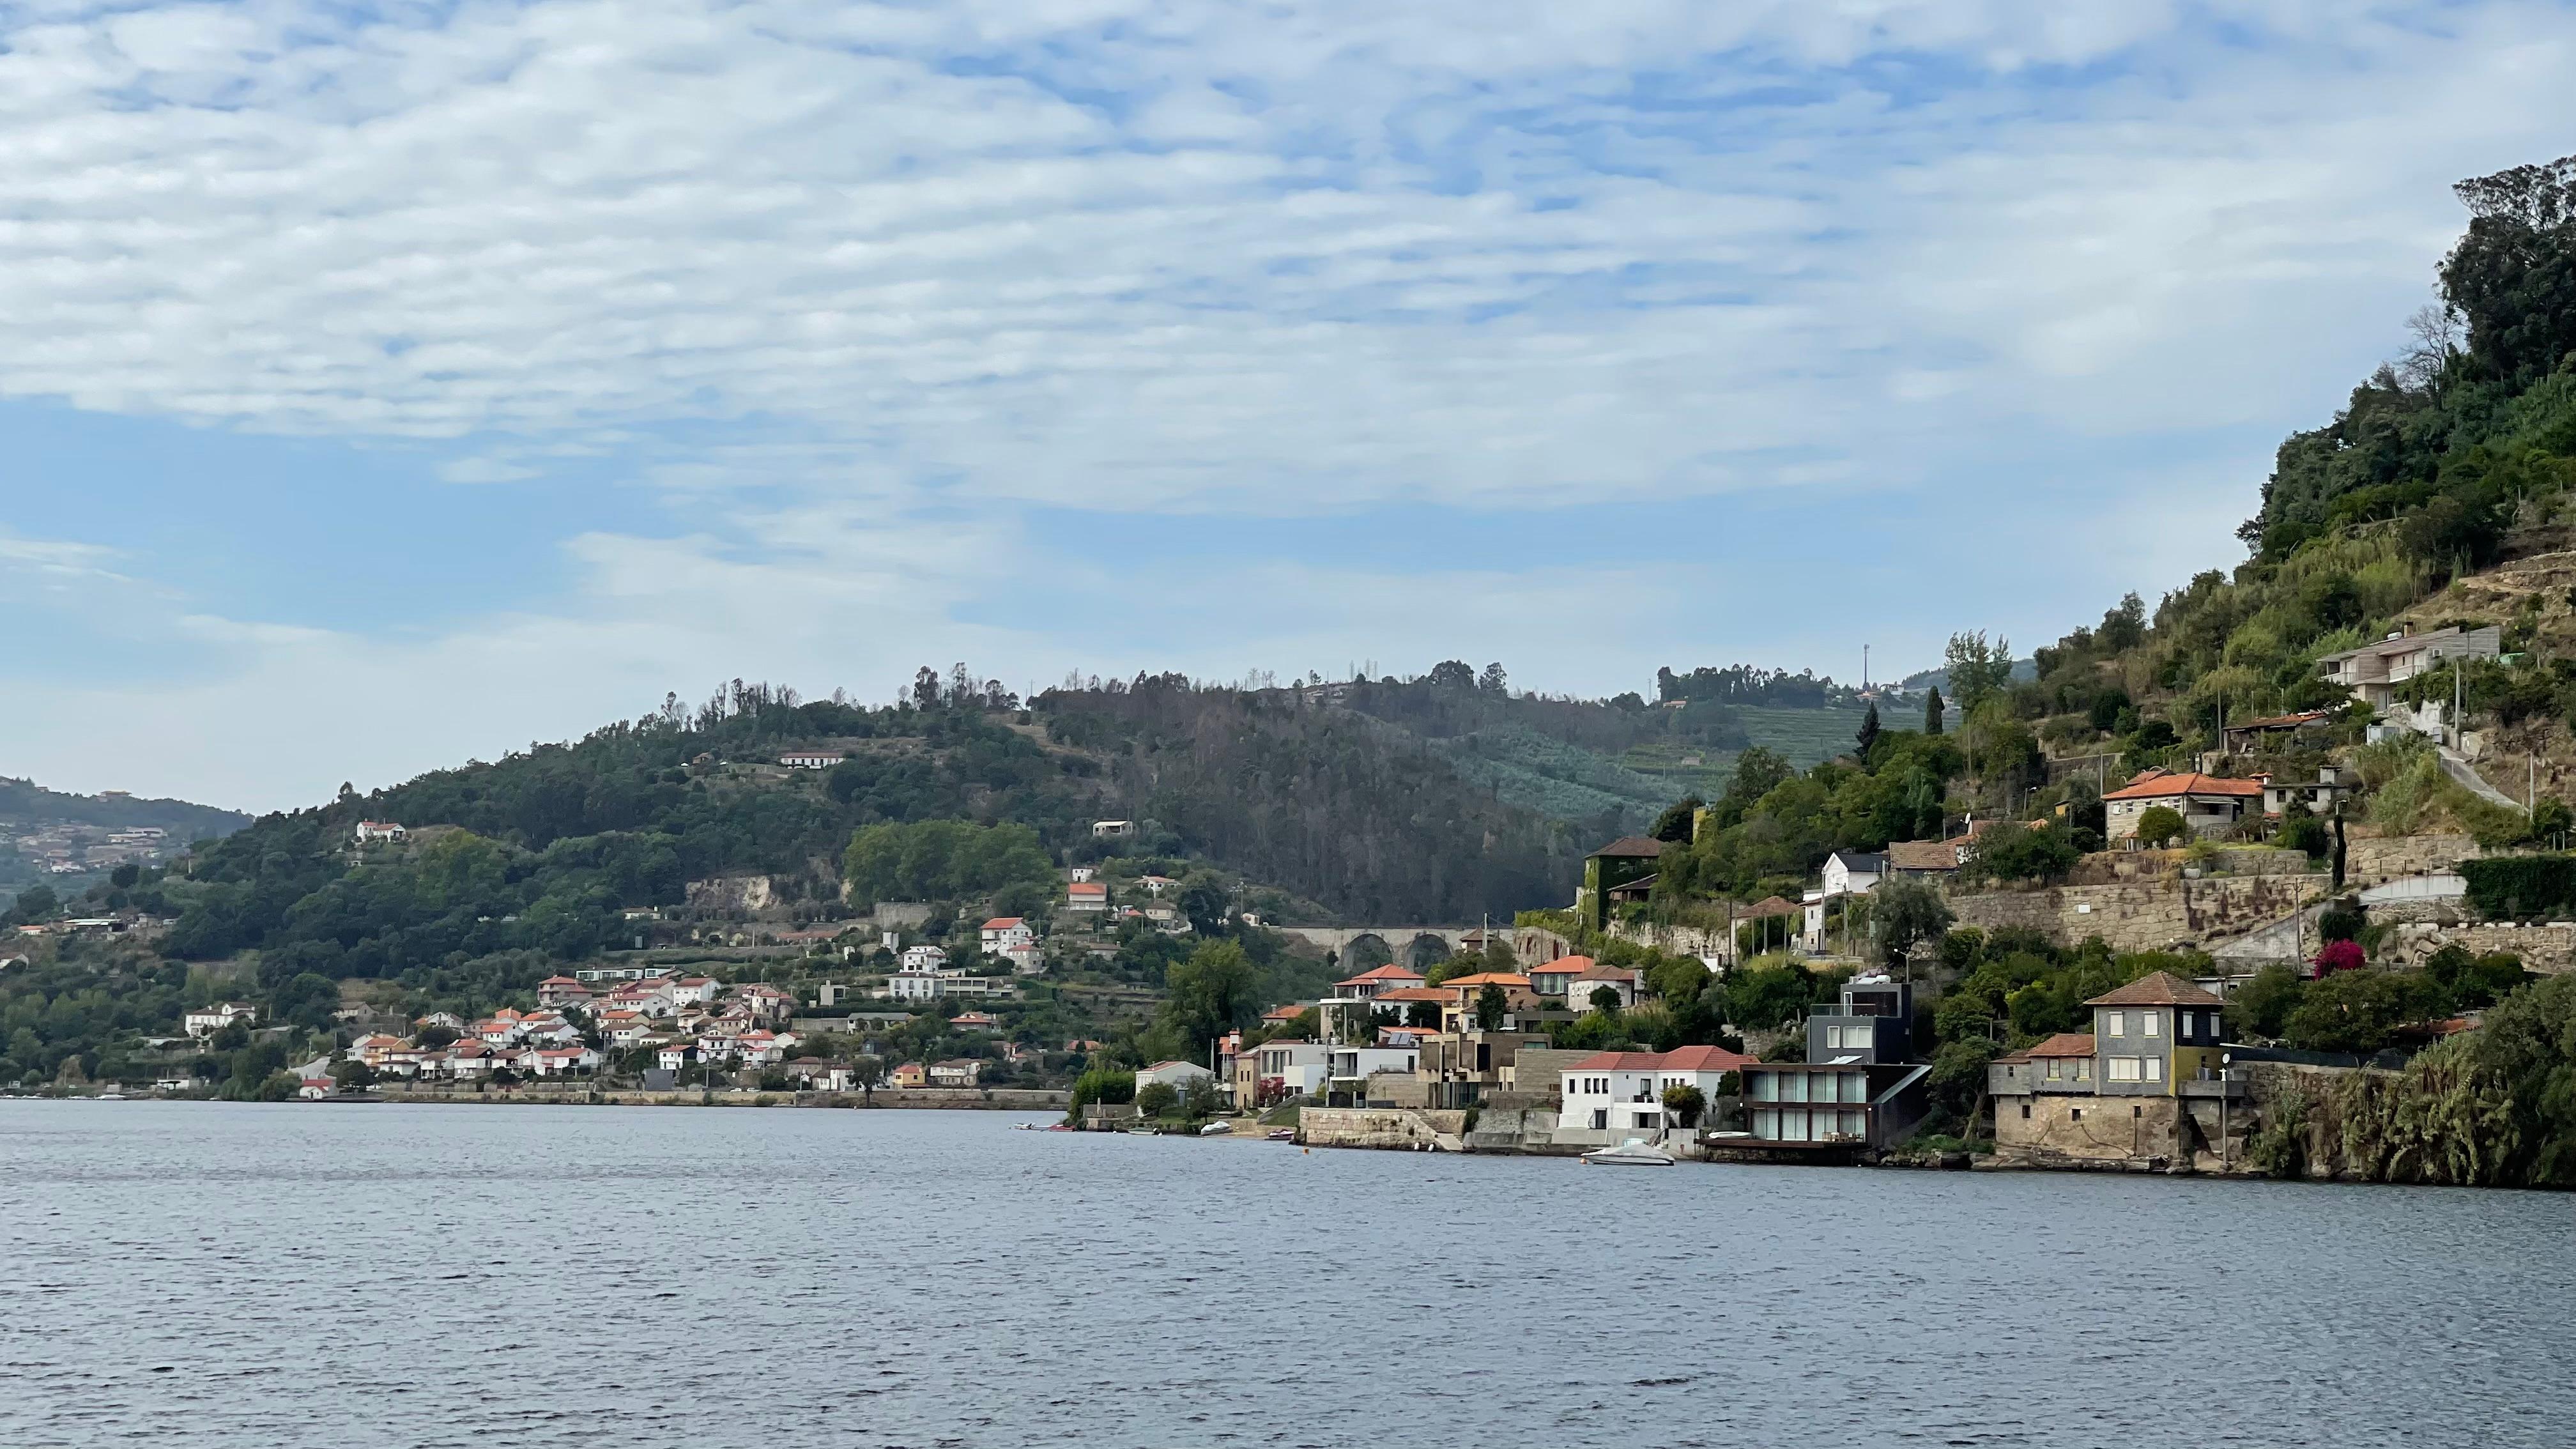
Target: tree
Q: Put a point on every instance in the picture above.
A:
(1453, 674)
(1673, 827)
(1211, 993)
(1490, 1006)
(1199, 1100)
(125, 876)
(1932, 712)
(1685, 1102)
(1868, 737)
(353, 1074)
(1906, 912)
(1604, 998)
(1494, 680)
(1157, 1099)
(2262, 1006)
(1976, 668)
(2337, 956)
(2161, 825)
(2011, 852)
(431, 1038)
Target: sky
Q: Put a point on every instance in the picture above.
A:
(383, 386)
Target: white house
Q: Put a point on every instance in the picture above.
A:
(1089, 896)
(1025, 960)
(1613, 1092)
(207, 1020)
(1176, 1075)
(2373, 671)
(959, 1072)
(371, 831)
(1003, 932)
(561, 1061)
(973, 1021)
(675, 1056)
(1291, 1068)
(911, 985)
(1619, 1092)
(1348, 1068)
(1155, 885)
(810, 759)
(1111, 829)
(1853, 872)
(924, 958)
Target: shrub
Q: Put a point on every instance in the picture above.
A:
(2161, 825)
(2338, 956)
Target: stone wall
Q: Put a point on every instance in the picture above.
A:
(1376, 1127)
(731, 893)
(2142, 1133)
(2548, 950)
(1678, 940)
(2368, 861)
(2144, 915)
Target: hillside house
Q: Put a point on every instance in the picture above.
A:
(2148, 1083)
(1112, 829)
(1920, 858)
(205, 1021)
(1089, 897)
(1003, 932)
(2208, 804)
(810, 759)
(1853, 872)
(370, 832)
(1550, 979)
(1620, 862)
(2373, 671)
(973, 1021)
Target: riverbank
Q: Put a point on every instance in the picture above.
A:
(948, 1099)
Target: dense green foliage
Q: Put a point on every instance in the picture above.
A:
(2522, 887)
(2494, 1107)
(946, 860)
(1773, 826)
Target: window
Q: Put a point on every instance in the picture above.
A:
(2084, 1069)
(2076, 1115)
(2025, 1111)
(2111, 1024)
(1600, 1119)
(2155, 1068)
(2124, 1069)
(2054, 1067)
(2150, 1023)
(1855, 1087)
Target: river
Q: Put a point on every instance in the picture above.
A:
(236, 1275)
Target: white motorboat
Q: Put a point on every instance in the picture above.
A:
(1631, 1153)
(1217, 1129)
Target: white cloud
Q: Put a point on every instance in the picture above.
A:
(921, 269)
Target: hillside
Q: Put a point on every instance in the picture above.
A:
(66, 842)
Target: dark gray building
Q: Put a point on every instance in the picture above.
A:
(1874, 1022)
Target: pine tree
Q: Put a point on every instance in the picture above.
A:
(1868, 730)
(1932, 713)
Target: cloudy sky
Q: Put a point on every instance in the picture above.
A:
(387, 385)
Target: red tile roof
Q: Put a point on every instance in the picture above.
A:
(2161, 787)
(1618, 1062)
(1001, 923)
(2063, 1044)
(1564, 966)
(1772, 906)
(2161, 988)
(1705, 1059)
(1632, 845)
(1382, 973)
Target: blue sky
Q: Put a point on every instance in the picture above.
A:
(387, 387)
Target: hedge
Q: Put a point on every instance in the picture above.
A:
(2523, 887)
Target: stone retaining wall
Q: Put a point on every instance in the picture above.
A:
(2548, 950)
(1378, 1127)
(2144, 915)
(2368, 861)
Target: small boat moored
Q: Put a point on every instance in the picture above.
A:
(1631, 1153)
(1217, 1129)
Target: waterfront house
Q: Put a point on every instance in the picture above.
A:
(1806, 1106)
(2148, 1084)
(1177, 1075)
(1872, 1022)
(676, 1055)
(956, 1072)
(816, 1075)
(563, 1061)
(1348, 1068)
(1290, 1067)
(1612, 1092)
(910, 1074)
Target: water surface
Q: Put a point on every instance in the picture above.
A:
(235, 1275)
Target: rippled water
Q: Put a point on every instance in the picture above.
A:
(259, 1276)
